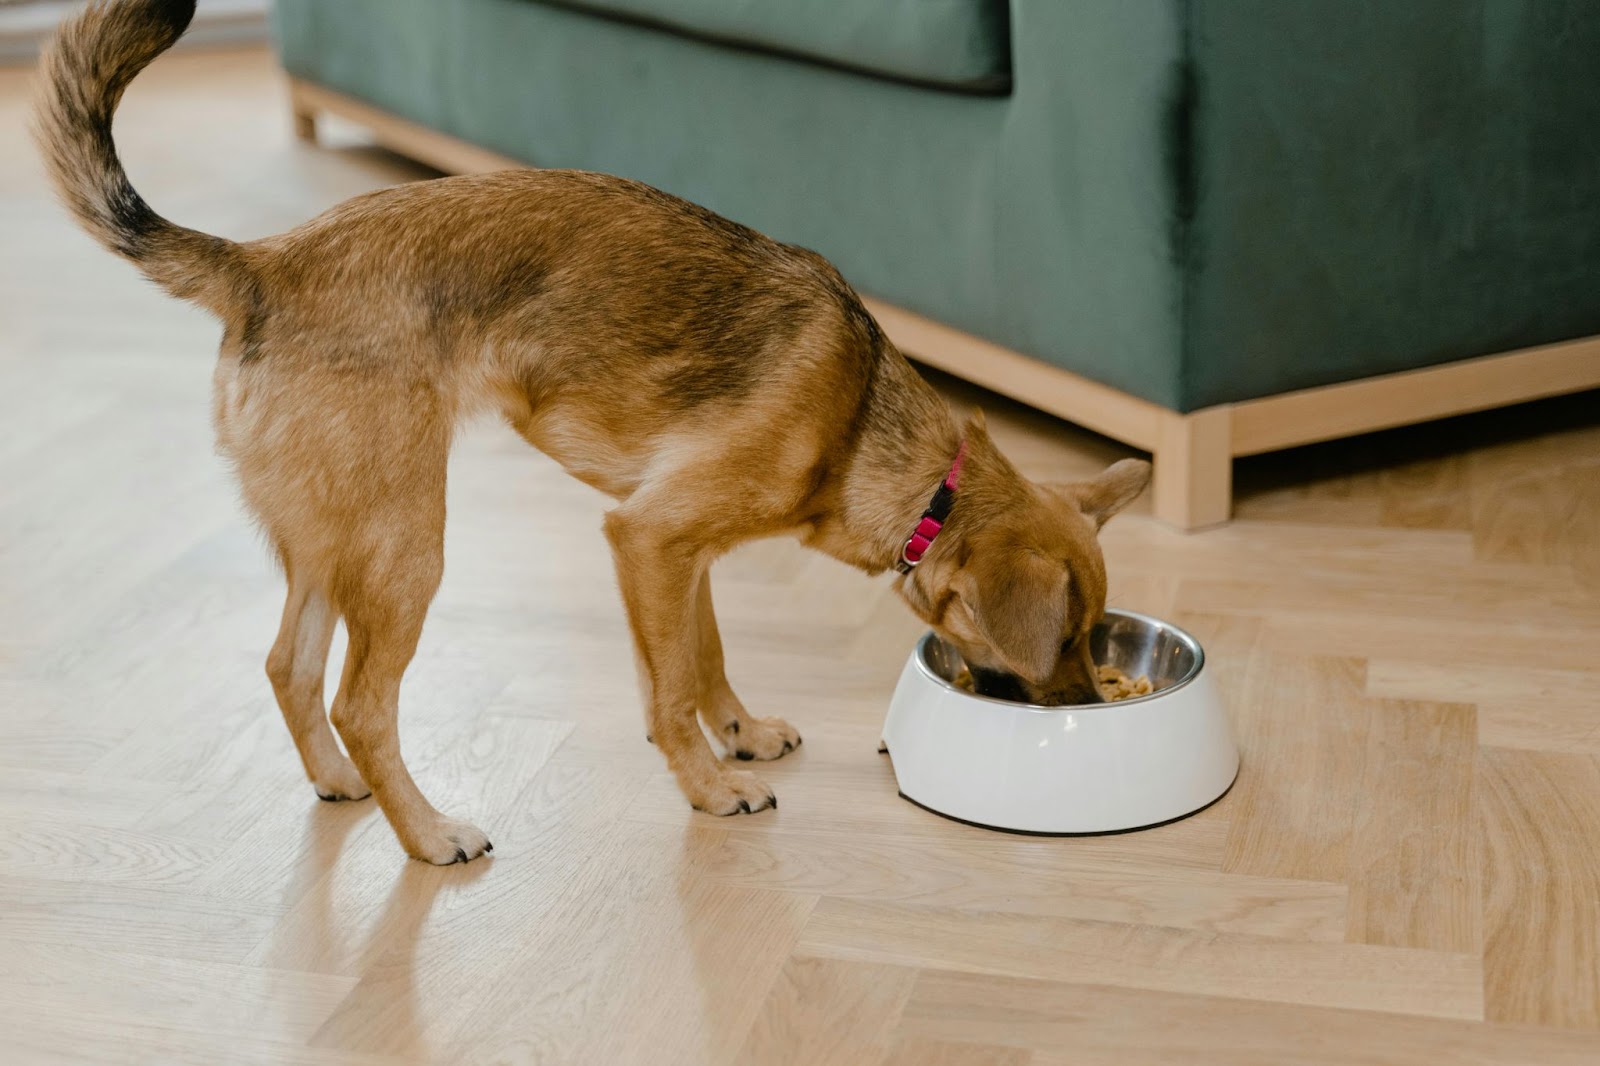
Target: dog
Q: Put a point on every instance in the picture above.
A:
(720, 386)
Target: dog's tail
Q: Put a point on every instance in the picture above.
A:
(82, 77)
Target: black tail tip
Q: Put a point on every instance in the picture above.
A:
(175, 14)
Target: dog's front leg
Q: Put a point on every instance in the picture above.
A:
(744, 735)
(659, 573)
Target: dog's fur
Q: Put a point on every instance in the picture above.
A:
(720, 386)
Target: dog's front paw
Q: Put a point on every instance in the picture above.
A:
(341, 782)
(761, 738)
(731, 792)
(449, 841)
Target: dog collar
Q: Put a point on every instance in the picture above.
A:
(933, 519)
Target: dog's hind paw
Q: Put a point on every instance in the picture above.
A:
(343, 782)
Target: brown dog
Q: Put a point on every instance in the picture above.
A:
(719, 385)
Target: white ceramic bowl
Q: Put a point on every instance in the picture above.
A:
(1095, 768)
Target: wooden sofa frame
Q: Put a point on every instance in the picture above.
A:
(1194, 452)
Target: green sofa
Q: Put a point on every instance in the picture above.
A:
(1176, 221)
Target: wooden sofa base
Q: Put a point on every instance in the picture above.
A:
(1194, 452)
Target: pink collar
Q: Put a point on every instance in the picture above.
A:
(933, 519)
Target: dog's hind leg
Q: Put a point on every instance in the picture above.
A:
(296, 667)
(384, 582)
(744, 736)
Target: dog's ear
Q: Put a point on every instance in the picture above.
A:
(1018, 604)
(1113, 489)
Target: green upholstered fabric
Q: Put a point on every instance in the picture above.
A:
(1195, 201)
(957, 44)
(1038, 219)
(1385, 184)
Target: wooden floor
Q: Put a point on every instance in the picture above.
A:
(1407, 629)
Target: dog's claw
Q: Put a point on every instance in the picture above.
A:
(744, 756)
(787, 747)
(461, 855)
(744, 805)
(487, 847)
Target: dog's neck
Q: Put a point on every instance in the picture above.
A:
(906, 438)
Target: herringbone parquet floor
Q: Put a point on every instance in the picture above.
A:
(1407, 629)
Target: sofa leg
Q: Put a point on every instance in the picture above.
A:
(305, 126)
(1194, 469)
(305, 116)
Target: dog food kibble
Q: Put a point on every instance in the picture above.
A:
(1116, 685)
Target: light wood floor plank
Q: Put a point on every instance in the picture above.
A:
(1096, 1025)
(665, 968)
(828, 1010)
(1405, 981)
(1430, 494)
(134, 920)
(920, 1051)
(1532, 641)
(1041, 878)
(1518, 706)
(201, 997)
(1304, 735)
(1541, 893)
(1414, 852)
(68, 1038)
